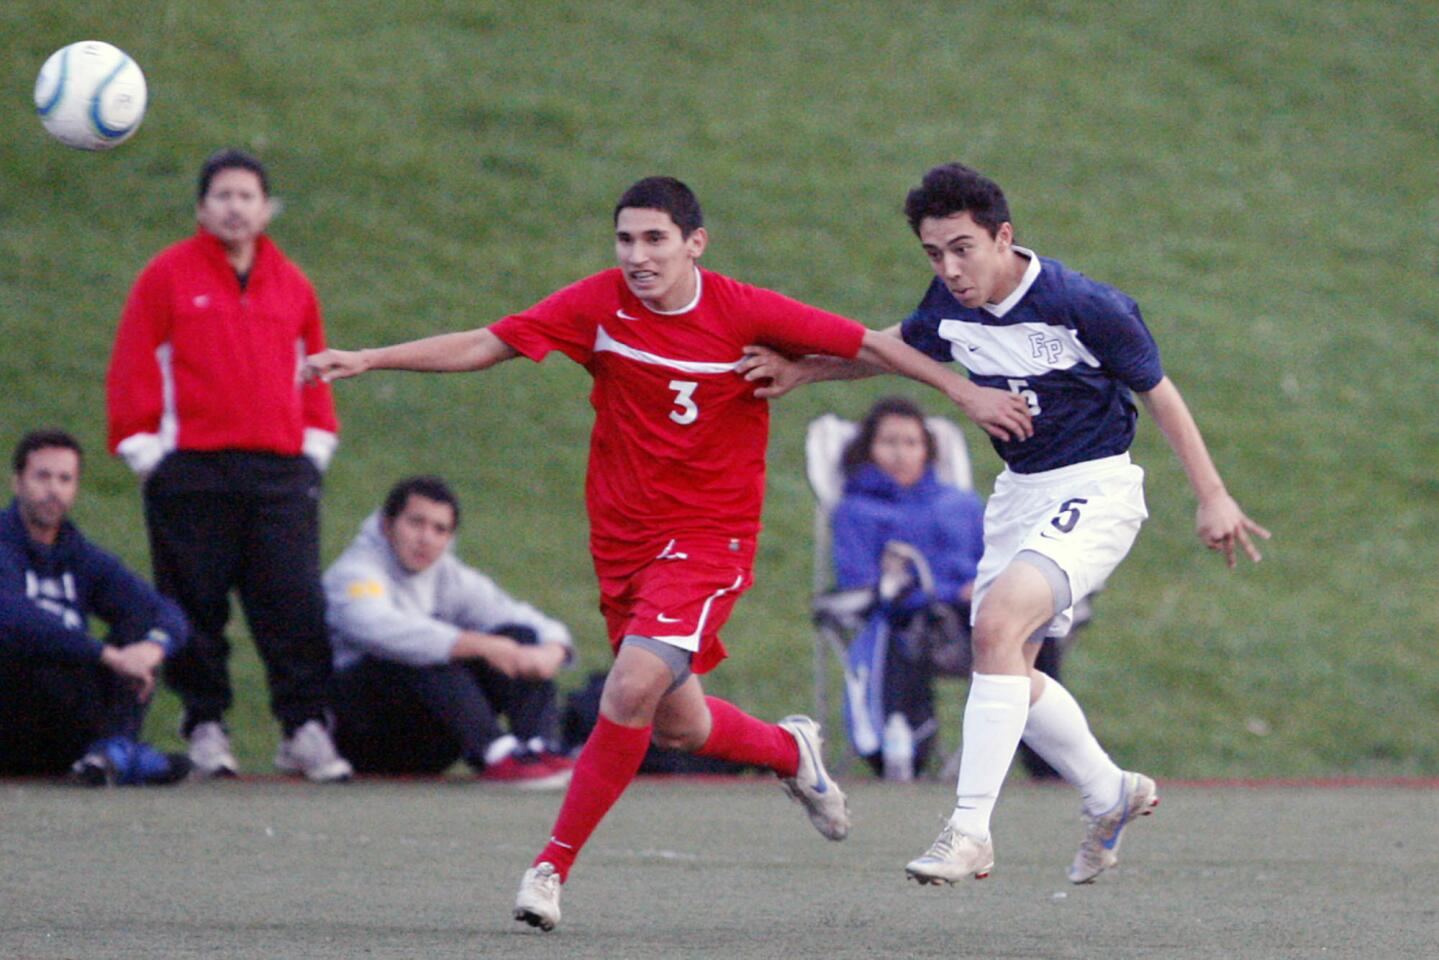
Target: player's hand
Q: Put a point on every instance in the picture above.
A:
(1221, 524)
(333, 364)
(999, 413)
(773, 373)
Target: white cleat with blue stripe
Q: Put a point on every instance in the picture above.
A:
(1099, 850)
(812, 785)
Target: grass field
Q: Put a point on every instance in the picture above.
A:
(705, 869)
(1259, 175)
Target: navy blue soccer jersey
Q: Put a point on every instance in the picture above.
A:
(1074, 348)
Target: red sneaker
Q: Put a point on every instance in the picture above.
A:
(525, 772)
(557, 761)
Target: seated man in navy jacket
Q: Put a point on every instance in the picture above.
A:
(68, 701)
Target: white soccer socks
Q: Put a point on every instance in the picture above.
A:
(1057, 730)
(994, 719)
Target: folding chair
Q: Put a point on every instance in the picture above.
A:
(837, 615)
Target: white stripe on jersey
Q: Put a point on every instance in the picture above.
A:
(605, 342)
(169, 408)
(1015, 350)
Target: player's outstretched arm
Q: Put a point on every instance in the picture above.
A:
(999, 413)
(445, 353)
(775, 374)
(1219, 521)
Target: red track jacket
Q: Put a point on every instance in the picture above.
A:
(200, 365)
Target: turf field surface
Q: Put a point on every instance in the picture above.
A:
(266, 868)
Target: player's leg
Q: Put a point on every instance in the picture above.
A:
(711, 727)
(607, 763)
(1098, 517)
(1018, 603)
(1059, 733)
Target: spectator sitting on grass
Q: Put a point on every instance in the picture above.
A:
(69, 701)
(427, 652)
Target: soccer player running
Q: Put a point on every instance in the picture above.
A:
(1065, 510)
(674, 489)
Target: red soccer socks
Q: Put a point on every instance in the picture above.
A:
(741, 738)
(609, 761)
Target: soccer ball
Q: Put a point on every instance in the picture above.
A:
(90, 95)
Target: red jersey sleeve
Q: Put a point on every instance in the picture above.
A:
(797, 328)
(134, 392)
(563, 321)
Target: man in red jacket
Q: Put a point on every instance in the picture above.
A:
(206, 406)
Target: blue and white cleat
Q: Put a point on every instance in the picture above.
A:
(1099, 850)
(812, 785)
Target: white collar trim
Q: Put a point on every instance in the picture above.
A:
(1031, 273)
(699, 289)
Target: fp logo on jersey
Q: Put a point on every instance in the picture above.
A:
(1044, 348)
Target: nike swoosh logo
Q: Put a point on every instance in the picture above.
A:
(973, 349)
(664, 619)
(820, 785)
(1047, 535)
(624, 316)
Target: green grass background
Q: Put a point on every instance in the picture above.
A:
(1259, 175)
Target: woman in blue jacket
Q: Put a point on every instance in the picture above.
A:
(895, 510)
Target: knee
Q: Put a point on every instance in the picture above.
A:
(996, 630)
(629, 699)
(686, 740)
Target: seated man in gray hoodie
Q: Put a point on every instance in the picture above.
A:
(429, 652)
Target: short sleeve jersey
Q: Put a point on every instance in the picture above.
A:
(678, 446)
(1074, 348)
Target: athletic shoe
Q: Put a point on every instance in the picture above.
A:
(812, 785)
(538, 903)
(310, 751)
(1099, 850)
(953, 856)
(210, 753)
(120, 761)
(556, 761)
(527, 771)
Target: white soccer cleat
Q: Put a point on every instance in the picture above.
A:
(1099, 850)
(538, 902)
(953, 856)
(310, 751)
(209, 751)
(812, 785)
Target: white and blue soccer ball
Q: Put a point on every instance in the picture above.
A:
(91, 95)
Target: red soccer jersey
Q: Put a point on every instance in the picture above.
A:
(678, 446)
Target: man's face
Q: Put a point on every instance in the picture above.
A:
(235, 209)
(420, 532)
(899, 449)
(47, 487)
(658, 262)
(974, 266)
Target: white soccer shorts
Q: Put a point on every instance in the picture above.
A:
(1084, 517)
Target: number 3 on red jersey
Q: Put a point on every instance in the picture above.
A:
(688, 411)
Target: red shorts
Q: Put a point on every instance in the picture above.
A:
(683, 596)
